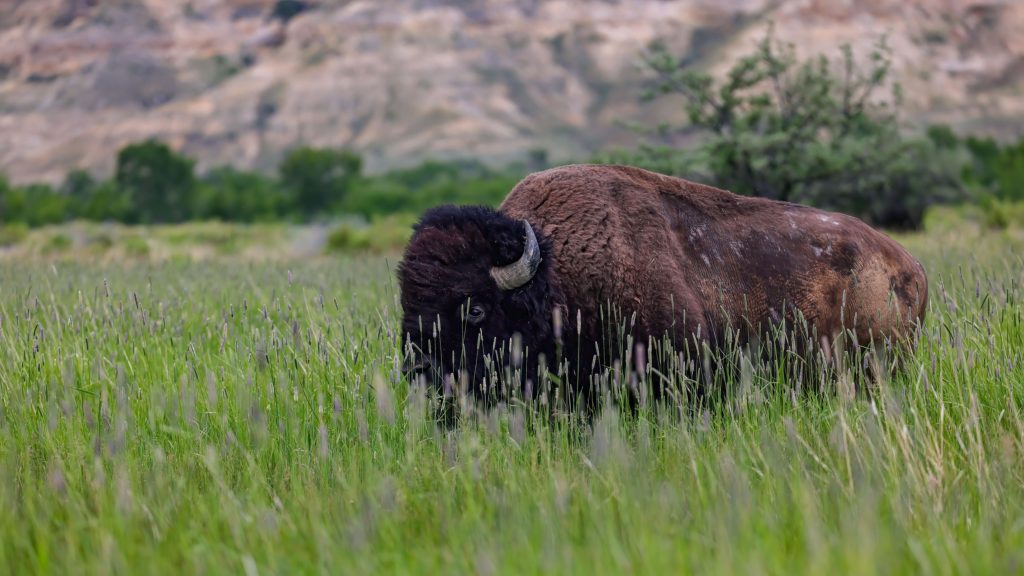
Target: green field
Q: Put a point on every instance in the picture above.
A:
(238, 415)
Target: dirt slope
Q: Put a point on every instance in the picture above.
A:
(401, 80)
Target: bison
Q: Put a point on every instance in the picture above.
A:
(675, 259)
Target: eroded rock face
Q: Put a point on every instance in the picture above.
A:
(398, 80)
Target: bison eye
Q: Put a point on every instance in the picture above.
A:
(476, 314)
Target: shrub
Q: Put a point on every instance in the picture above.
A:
(57, 243)
(12, 234)
(1000, 169)
(78, 185)
(154, 184)
(236, 195)
(106, 203)
(382, 195)
(285, 10)
(391, 232)
(1000, 214)
(802, 132)
(347, 238)
(489, 190)
(135, 246)
(43, 205)
(101, 242)
(318, 179)
(384, 234)
(35, 204)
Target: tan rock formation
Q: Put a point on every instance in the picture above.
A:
(400, 80)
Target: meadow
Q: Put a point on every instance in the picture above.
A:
(226, 414)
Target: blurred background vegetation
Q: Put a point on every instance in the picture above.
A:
(826, 132)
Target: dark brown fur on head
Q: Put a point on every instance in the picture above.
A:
(455, 314)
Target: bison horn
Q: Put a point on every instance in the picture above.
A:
(521, 271)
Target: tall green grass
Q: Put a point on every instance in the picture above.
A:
(223, 417)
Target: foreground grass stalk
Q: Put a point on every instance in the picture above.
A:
(249, 418)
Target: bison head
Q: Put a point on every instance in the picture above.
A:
(477, 298)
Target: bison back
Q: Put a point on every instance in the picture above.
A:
(678, 257)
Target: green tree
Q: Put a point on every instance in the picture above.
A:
(985, 154)
(1009, 171)
(427, 173)
(380, 195)
(943, 137)
(801, 131)
(5, 191)
(318, 179)
(34, 205)
(160, 182)
(78, 184)
(43, 205)
(994, 169)
(14, 204)
(285, 10)
(236, 195)
(107, 202)
(78, 187)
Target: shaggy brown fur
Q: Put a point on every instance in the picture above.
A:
(668, 248)
(688, 261)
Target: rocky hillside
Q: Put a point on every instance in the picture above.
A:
(239, 81)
